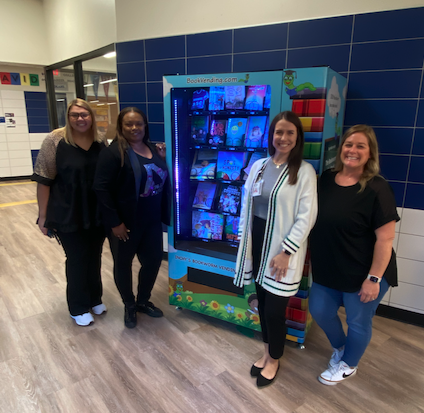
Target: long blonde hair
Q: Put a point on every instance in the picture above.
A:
(66, 132)
(372, 167)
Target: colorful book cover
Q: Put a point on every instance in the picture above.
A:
(231, 228)
(230, 165)
(207, 225)
(199, 99)
(204, 196)
(217, 132)
(216, 98)
(234, 97)
(236, 128)
(255, 131)
(267, 101)
(255, 97)
(229, 199)
(204, 164)
(199, 129)
(255, 157)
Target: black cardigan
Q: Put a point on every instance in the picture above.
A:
(115, 189)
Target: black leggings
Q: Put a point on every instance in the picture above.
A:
(272, 308)
(145, 240)
(83, 251)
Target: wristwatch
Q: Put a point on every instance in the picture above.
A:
(373, 278)
(286, 252)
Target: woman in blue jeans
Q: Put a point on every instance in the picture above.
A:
(353, 262)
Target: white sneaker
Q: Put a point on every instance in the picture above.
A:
(336, 374)
(99, 309)
(84, 319)
(336, 356)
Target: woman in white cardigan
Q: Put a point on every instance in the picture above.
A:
(278, 212)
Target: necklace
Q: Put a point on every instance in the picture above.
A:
(277, 165)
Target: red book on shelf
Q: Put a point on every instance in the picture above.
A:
(316, 107)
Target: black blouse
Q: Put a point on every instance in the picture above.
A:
(342, 241)
(69, 171)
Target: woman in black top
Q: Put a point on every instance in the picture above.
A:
(67, 206)
(132, 185)
(353, 262)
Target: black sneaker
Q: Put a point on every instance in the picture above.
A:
(130, 317)
(150, 309)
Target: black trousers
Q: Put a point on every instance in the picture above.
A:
(272, 308)
(145, 241)
(83, 251)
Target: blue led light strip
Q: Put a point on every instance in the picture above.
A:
(177, 167)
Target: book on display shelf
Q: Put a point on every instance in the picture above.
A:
(230, 198)
(216, 98)
(217, 132)
(204, 164)
(207, 225)
(236, 129)
(204, 196)
(230, 164)
(199, 129)
(255, 97)
(234, 97)
(199, 99)
(231, 228)
(255, 131)
(254, 157)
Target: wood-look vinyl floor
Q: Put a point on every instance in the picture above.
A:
(183, 362)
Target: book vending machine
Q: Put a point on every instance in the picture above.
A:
(217, 127)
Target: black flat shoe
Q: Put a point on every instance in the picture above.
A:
(150, 309)
(255, 371)
(262, 381)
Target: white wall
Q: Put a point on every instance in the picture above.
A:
(159, 18)
(23, 32)
(75, 27)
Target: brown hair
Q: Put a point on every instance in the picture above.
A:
(372, 167)
(296, 154)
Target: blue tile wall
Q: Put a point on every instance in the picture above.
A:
(394, 141)
(37, 112)
(251, 62)
(381, 54)
(256, 39)
(337, 57)
(397, 24)
(391, 84)
(394, 167)
(165, 48)
(336, 30)
(131, 72)
(205, 44)
(418, 147)
(203, 65)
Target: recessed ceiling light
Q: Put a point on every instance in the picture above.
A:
(109, 55)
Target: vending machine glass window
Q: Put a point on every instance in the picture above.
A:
(218, 133)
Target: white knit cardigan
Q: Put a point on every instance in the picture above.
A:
(292, 211)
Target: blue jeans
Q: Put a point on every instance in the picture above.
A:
(324, 303)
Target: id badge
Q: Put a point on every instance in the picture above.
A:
(257, 188)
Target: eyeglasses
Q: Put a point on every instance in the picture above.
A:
(83, 115)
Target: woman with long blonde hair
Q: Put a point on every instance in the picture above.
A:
(352, 256)
(64, 172)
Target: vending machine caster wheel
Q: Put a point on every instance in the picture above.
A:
(178, 308)
(300, 346)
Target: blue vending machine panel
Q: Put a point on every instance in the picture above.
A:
(217, 127)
